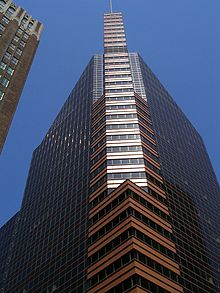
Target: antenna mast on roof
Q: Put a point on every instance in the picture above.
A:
(111, 6)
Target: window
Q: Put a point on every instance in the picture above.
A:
(20, 31)
(26, 36)
(134, 175)
(4, 81)
(3, 65)
(2, 4)
(7, 55)
(24, 20)
(5, 20)
(16, 38)
(10, 11)
(12, 47)
(14, 61)
(10, 71)
(19, 52)
(2, 28)
(1, 95)
(22, 44)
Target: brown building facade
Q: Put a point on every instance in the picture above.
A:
(19, 39)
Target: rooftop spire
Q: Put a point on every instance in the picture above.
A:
(111, 6)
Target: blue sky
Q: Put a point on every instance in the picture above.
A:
(179, 40)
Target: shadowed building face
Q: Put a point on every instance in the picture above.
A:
(19, 39)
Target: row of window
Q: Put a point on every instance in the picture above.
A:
(13, 46)
(97, 124)
(145, 120)
(131, 175)
(119, 162)
(95, 186)
(118, 83)
(115, 57)
(131, 232)
(120, 107)
(4, 81)
(141, 112)
(98, 134)
(119, 90)
(124, 215)
(8, 56)
(114, 33)
(98, 170)
(116, 49)
(155, 181)
(117, 20)
(156, 195)
(98, 105)
(98, 114)
(9, 70)
(146, 131)
(150, 154)
(127, 258)
(20, 32)
(114, 24)
(99, 156)
(123, 137)
(5, 20)
(116, 76)
(150, 191)
(98, 145)
(135, 281)
(10, 11)
(117, 63)
(122, 126)
(149, 143)
(118, 149)
(109, 30)
(126, 98)
(121, 116)
(152, 167)
(121, 198)
(117, 69)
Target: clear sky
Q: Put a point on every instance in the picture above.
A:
(178, 39)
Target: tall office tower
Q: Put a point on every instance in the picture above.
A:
(121, 195)
(19, 39)
(7, 236)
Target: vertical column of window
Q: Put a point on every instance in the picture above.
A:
(11, 58)
(114, 41)
(98, 164)
(137, 76)
(121, 117)
(98, 87)
(151, 160)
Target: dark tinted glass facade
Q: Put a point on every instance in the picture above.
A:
(51, 243)
(7, 237)
(191, 186)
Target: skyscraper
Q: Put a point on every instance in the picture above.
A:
(121, 195)
(19, 39)
(7, 236)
